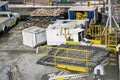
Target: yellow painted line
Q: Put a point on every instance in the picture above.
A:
(49, 63)
(74, 68)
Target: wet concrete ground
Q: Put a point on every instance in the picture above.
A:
(13, 52)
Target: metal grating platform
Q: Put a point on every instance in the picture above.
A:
(74, 58)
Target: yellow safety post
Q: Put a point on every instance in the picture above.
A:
(65, 34)
(49, 2)
(87, 58)
(60, 78)
(55, 57)
(88, 4)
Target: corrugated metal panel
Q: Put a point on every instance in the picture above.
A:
(16, 1)
(72, 15)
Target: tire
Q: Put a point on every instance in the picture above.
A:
(6, 29)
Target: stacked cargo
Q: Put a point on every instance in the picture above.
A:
(47, 12)
(81, 15)
(34, 22)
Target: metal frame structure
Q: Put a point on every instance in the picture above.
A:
(110, 30)
(66, 57)
(72, 57)
(112, 39)
(94, 31)
(110, 17)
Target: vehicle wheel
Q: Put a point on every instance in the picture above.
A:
(6, 29)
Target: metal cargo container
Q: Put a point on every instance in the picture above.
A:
(72, 15)
(83, 13)
(34, 36)
(4, 6)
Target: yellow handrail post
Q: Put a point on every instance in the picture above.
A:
(55, 57)
(49, 2)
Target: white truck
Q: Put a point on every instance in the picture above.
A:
(7, 20)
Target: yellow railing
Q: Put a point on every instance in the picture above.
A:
(66, 57)
(94, 30)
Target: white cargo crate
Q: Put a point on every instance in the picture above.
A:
(33, 36)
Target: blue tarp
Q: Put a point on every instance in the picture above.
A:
(71, 15)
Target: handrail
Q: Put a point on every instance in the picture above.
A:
(66, 57)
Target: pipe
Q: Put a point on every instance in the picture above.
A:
(109, 15)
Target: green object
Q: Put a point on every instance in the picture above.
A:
(64, 1)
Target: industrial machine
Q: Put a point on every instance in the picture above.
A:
(90, 53)
(66, 32)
